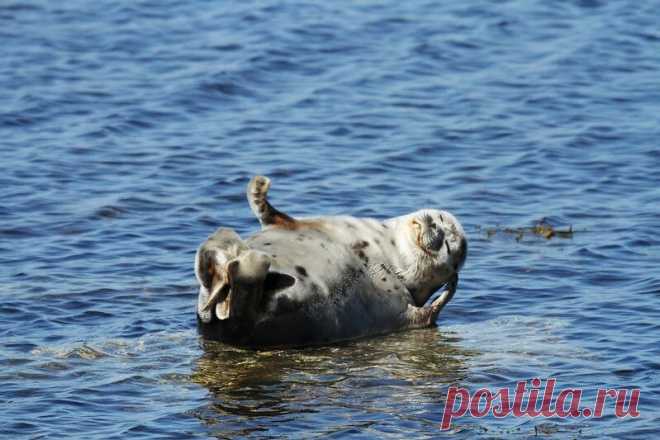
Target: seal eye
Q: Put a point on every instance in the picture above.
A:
(433, 225)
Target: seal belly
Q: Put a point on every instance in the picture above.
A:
(350, 310)
(336, 295)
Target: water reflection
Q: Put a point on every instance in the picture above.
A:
(372, 377)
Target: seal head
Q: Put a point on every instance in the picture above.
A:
(433, 248)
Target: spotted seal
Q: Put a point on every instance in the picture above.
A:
(310, 281)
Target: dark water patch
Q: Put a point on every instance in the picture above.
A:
(109, 212)
(226, 88)
(18, 232)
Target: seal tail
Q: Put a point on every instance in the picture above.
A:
(257, 195)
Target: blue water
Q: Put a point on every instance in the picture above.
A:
(128, 131)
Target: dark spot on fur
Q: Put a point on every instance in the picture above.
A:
(392, 241)
(448, 249)
(208, 275)
(383, 279)
(441, 219)
(301, 271)
(377, 241)
(274, 282)
(389, 291)
(287, 305)
(361, 244)
(363, 256)
(323, 245)
(268, 243)
(385, 226)
(385, 268)
(274, 256)
(350, 225)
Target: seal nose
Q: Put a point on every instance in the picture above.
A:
(437, 239)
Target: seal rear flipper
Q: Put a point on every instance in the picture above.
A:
(211, 262)
(257, 195)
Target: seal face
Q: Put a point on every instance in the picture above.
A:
(432, 246)
(326, 279)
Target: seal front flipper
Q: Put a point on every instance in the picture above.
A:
(420, 317)
(257, 195)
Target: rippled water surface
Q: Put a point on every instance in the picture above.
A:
(128, 131)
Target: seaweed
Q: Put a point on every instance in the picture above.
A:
(540, 229)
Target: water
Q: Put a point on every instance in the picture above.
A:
(130, 129)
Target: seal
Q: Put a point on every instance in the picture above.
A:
(311, 281)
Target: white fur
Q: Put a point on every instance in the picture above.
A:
(422, 271)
